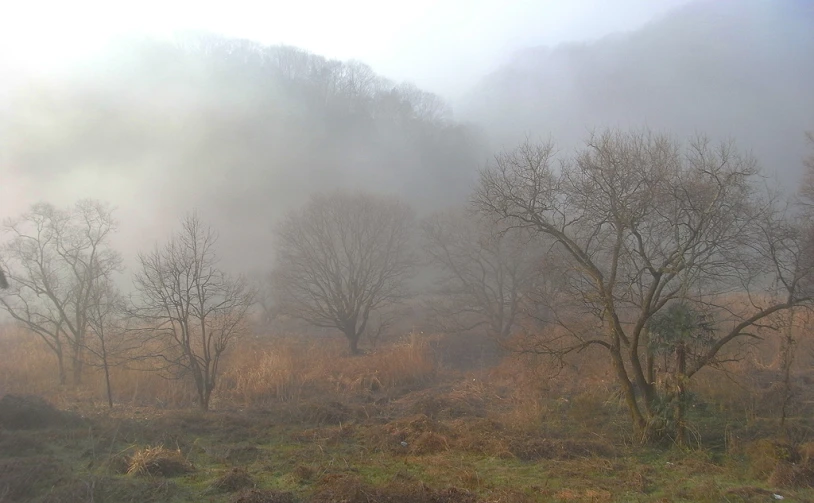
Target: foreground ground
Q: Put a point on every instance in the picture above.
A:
(298, 421)
(434, 445)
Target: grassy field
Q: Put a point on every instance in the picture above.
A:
(302, 423)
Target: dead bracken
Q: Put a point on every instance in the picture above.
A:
(158, 462)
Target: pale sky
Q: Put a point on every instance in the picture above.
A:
(442, 45)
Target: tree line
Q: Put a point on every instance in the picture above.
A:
(663, 254)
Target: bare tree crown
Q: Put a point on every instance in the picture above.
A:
(341, 258)
(644, 222)
(190, 305)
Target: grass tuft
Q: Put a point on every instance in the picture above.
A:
(158, 462)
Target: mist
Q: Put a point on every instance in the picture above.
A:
(731, 70)
(242, 120)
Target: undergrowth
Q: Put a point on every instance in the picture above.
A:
(297, 420)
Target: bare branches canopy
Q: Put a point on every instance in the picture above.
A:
(58, 260)
(342, 258)
(489, 274)
(646, 221)
(192, 307)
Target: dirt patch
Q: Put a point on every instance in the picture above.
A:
(22, 478)
(28, 412)
(158, 462)
(262, 496)
(236, 479)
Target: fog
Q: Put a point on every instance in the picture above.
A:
(165, 107)
(739, 70)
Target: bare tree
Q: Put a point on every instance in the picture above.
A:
(57, 260)
(645, 224)
(489, 273)
(108, 340)
(190, 306)
(3, 280)
(342, 258)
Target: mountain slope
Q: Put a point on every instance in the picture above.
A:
(733, 69)
(240, 131)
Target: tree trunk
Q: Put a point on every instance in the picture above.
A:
(107, 384)
(63, 377)
(639, 422)
(204, 395)
(680, 397)
(353, 341)
(788, 360)
(77, 363)
(201, 388)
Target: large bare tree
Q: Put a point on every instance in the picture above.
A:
(192, 308)
(490, 275)
(646, 223)
(342, 258)
(57, 259)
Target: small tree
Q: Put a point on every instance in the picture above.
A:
(57, 260)
(189, 305)
(681, 332)
(107, 340)
(489, 273)
(342, 258)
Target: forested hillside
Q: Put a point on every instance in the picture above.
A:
(731, 69)
(240, 131)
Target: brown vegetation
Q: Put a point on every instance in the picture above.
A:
(158, 462)
(436, 434)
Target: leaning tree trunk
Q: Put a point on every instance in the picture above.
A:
(639, 422)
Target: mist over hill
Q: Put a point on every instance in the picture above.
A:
(739, 70)
(239, 131)
(244, 132)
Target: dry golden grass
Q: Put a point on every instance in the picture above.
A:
(27, 364)
(255, 372)
(158, 462)
(282, 369)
